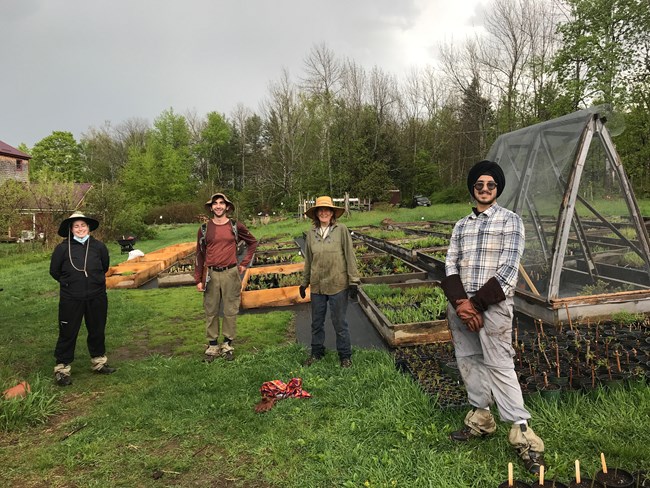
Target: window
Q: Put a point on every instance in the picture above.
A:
(19, 165)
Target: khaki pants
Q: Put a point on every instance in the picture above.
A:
(223, 291)
(485, 361)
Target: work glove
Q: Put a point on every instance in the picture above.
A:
(265, 404)
(475, 323)
(469, 315)
(353, 292)
(453, 288)
(489, 294)
(301, 290)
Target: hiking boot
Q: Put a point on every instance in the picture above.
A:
(62, 379)
(227, 351)
(311, 360)
(211, 353)
(106, 369)
(529, 446)
(478, 423)
(346, 362)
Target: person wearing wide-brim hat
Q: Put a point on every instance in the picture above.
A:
(79, 264)
(332, 275)
(217, 274)
(482, 268)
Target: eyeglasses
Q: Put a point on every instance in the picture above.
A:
(491, 185)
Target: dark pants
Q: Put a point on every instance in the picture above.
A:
(338, 307)
(71, 312)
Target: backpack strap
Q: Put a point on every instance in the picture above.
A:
(235, 232)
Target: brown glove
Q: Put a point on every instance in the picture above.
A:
(453, 288)
(469, 315)
(489, 294)
(265, 404)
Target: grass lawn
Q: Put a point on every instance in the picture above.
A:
(167, 419)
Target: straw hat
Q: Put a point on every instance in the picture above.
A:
(64, 228)
(327, 203)
(208, 204)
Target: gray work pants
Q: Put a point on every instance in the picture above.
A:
(485, 361)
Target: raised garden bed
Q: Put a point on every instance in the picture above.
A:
(136, 272)
(273, 286)
(385, 268)
(277, 257)
(180, 273)
(419, 306)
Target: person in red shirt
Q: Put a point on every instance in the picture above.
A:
(218, 274)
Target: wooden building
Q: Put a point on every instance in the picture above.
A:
(14, 164)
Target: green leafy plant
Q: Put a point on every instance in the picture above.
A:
(408, 305)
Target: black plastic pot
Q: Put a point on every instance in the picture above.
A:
(549, 484)
(615, 478)
(550, 391)
(586, 483)
(642, 479)
(515, 484)
(614, 381)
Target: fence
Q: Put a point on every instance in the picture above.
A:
(347, 202)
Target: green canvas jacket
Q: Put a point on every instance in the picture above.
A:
(330, 264)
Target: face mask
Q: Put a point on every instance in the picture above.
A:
(81, 239)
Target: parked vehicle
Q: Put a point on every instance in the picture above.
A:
(420, 201)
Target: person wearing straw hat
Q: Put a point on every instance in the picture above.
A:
(218, 274)
(79, 264)
(482, 266)
(331, 272)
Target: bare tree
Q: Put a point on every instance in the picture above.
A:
(240, 116)
(383, 98)
(323, 82)
(287, 122)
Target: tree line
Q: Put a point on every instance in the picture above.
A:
(339, 127)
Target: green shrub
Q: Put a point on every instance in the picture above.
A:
(175, 213)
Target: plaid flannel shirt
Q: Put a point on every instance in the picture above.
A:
(486, 245)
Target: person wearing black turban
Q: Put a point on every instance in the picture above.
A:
(482, 267)
(486, 167)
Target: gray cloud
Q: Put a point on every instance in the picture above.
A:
(73, 64)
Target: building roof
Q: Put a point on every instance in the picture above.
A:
(7, 150)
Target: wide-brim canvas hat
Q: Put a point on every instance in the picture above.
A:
(208, 204)
(327, 203)
(64, 228)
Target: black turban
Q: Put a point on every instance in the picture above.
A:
(486, 167)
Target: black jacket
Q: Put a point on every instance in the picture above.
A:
(75, 284)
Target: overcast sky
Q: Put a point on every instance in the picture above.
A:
(70, 65)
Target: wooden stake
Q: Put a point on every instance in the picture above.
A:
(577, 471)
(602, 461)
(566, 306)
(528, 280)
(510, 476)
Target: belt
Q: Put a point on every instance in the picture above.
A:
(221, 268)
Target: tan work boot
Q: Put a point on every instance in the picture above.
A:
(227, 351)
(211, 353)
(478, 423)
(62, 374)
(529, 446)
